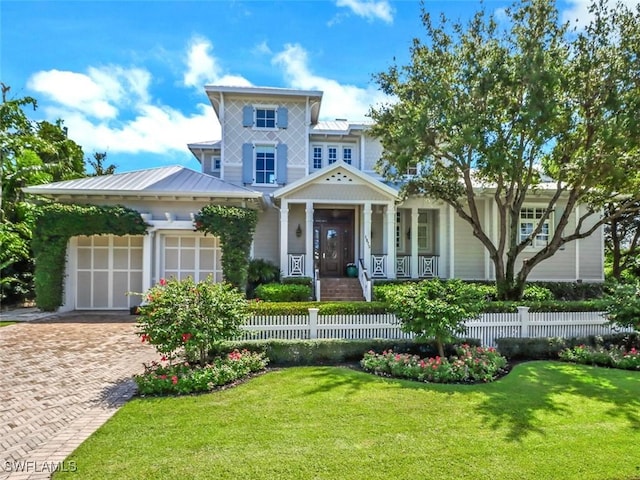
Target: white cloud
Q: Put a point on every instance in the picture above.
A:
(578, 10)
(339, 101)
(202, 67)
(262, 49)
(369, 9)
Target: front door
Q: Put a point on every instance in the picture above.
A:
(331, 248)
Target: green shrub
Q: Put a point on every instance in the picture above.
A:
(259, 272)
(297, 281)
(330, 351)
(189, 316)
(536, 293)
(549, 348)
(326, 308)
(469, 364)
(277, 292)
(435, 309)
(623, 305)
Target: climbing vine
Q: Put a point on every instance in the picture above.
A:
(234, 226)
(55, 224)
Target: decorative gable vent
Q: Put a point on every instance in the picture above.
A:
(338, 177)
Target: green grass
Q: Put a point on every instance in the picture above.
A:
(545, 420)
(4, 324)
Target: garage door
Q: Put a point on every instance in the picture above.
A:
(192, 256)
(108, 267)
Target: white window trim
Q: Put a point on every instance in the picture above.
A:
(427, 224)
(274, 145)
(322, 155)
(535, 245)
(260, 106)
(337, 147)
(350, 147)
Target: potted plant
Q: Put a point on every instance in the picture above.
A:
(352, 270)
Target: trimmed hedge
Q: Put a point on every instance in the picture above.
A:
(297, 281)
(277, 292)
(326, 308)
(548, 348)
(322, 352)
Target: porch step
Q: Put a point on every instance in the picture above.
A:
(340, 290)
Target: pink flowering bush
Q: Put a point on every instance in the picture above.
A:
(182, 317)
(613, 356)
(162, 378)
(470, 364)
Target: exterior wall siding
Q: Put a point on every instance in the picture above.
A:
(266, 240)
(372, 153)
(469, 252)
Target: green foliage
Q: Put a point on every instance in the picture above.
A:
(261, 271)
(184, 378)
(277, 292)
(536, 293)
(330, 351)
(297, 281)
(497, 104)
(184, 315)
(55, 224)
(623, 305)
(234, 226)
(433, 308)
(613, 356)
(325, 308)
(549, 348)
(469, 365)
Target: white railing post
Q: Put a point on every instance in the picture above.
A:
(313, 322)
(523, 316)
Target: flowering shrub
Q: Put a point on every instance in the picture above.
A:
(613, 356)
(623, 305)
(161, 378)
(435, 309)
(184, 316)
(470, 364)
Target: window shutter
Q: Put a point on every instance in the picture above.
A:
(247, 116)
(247, 163)
(281, 152)
(283, 117)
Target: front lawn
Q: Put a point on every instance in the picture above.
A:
(545, 420)
(6, 323)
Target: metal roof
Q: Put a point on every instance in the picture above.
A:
(174, 181)
(263, 90)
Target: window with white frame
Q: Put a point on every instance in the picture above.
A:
(265, 162)
(215, 163)
(399, 230)
(332, 154)
(347, 155)
(530, 218)
(265, 117)
(424, 238)
(317, 157)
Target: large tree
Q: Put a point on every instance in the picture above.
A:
(502, 108)
(622, 241)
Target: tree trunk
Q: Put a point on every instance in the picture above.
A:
(440, 345)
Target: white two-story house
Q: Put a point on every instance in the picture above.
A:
(321, 207)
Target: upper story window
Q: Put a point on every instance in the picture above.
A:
(265, 118)
(332, 154)
(530, 218)
(317, 157)
(216, 162)
(265, 164)
(347, 155)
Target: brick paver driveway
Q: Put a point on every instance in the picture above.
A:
(60, 379)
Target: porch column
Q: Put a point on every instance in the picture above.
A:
(308, 267)
(147, 259)
(415, 264)
(390, 235)
(452, 242)
(284, 238)
(367, 235)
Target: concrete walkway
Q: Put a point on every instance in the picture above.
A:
(62, 377)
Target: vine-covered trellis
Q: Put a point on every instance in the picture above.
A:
(234, 226)
(55, 224)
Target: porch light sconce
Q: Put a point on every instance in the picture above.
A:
(299, 231)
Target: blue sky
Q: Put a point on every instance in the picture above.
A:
(127, 77)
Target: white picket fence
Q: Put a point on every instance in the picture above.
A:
(487, 328)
